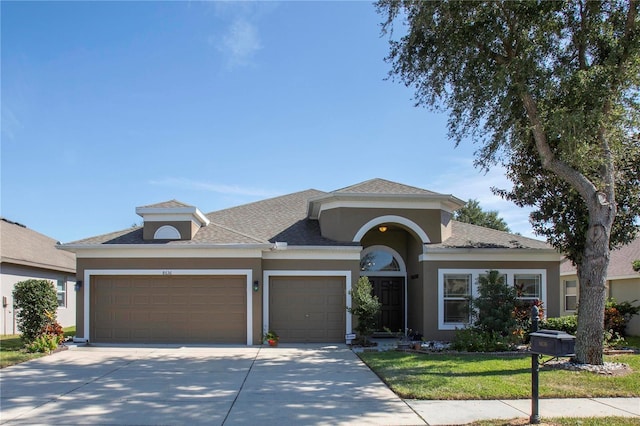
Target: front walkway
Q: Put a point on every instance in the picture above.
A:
(462, 412)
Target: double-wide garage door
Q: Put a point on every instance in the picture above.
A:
(168, 309)
(307, 309)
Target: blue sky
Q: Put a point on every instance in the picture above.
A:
(111, 105)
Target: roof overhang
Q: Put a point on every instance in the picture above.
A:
(265, 251)
(324, 202)
(38, 265)
(165, 250)
(157, 214)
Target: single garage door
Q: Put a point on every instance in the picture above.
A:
(307, 309)
(168, 309)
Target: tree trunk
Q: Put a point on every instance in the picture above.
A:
(592, 274)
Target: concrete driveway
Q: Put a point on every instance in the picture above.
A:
(291, 384)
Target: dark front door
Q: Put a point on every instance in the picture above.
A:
(390, 292)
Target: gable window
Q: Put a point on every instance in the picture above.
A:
(166, 232)
(61, 292)
(570, 295)
(457, 298)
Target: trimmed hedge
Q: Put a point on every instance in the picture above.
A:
(35, 303)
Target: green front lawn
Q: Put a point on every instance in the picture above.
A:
(482, 376)
(12, 352)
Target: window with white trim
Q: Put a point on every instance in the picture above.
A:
(61, 292)
(528, 286)
(456, 288)
(570, 295)
(457, 298)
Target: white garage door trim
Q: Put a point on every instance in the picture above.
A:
(88, 273)
(275, 273)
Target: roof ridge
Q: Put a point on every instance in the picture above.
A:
(166, 204)
(263, 200)
(356, 184)
(383, 186)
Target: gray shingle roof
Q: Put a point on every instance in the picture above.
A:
(382, 186)
(466, 235)
(284, 219)
(281, 218)
(23, 246)
(167, 204)
(619, 263)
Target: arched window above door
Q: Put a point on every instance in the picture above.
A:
(380, 259)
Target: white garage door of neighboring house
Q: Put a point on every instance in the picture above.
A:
(168, 309)
(307, 309)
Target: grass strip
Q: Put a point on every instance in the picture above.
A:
(490, 376)
(12, 349)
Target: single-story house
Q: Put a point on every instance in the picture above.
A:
(288, 264)
(623, 283)
(26, 254)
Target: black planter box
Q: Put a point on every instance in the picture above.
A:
(553, 343)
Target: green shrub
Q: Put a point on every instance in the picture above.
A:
(54, 329)
(494, 304)
(43, 343)
(617, 315)
(476, 340)
(35, 304)
(568, 324)
(366, 308)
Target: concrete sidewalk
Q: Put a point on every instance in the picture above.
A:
(464, 412)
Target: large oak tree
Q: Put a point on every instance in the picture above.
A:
(551, 90)
(474, 214)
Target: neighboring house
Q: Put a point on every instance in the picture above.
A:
(26, 254)
(288, 263)
(623, 283)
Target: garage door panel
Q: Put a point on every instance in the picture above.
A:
(181, 309)
(307, 309)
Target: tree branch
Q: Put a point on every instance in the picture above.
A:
(549, 160)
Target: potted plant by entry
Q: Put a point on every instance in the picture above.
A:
(271, 337)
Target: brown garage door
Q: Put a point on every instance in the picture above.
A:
(167, 309)
(307, 309)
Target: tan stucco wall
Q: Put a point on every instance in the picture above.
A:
(397, 239)
(445, 224)
(342, 224)
(429, 327)
(415, 287)
(173, 263)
